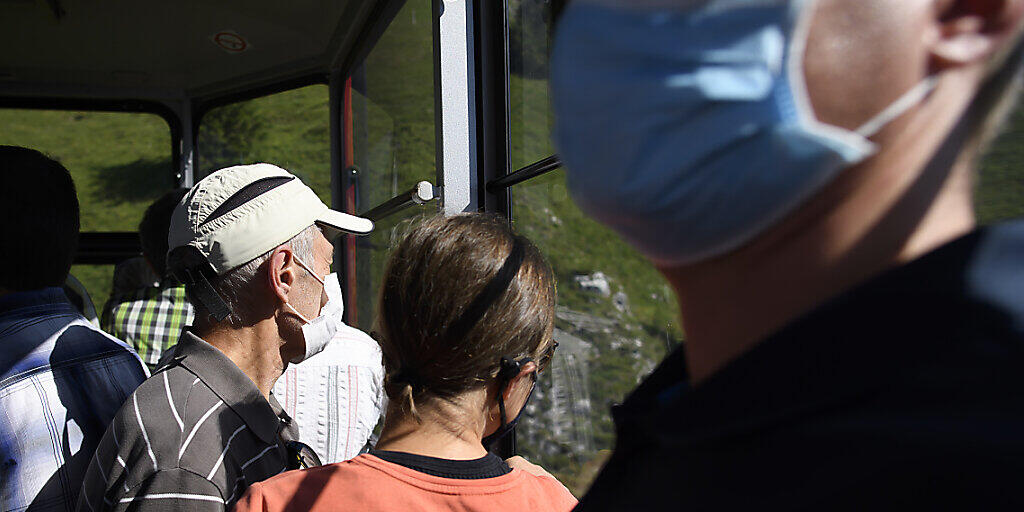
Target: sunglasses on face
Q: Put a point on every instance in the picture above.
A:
(549, 354)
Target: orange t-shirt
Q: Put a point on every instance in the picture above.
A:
(369, 483)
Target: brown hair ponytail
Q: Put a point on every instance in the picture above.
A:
(439, 337)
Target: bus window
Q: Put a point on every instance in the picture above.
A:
(290, 129)
(616, 319)
(393, 138)
(120, 161)
(530, 119)
(999, 191)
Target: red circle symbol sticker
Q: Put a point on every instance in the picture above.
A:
(230, 41)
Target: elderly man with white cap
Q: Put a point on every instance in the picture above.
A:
(800, 171)
(250, 243)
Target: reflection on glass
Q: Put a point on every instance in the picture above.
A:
(393, 138)
(289, 129)
(615, 321)
(120, 162)
(999, 194)
(372, 252)
(530, 119)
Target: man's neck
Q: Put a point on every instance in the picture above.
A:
(874, 216)
(254, 349)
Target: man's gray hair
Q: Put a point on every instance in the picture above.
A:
(235, 287)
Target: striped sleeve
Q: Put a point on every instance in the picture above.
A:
(170, 490)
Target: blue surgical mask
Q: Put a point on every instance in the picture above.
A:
(690, 132)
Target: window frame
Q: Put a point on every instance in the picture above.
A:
(494, 129)
(494, 46)
(201, 107)
(345, 197)
(108, 247)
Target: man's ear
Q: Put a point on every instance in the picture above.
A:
(281, 272)
(971, 32)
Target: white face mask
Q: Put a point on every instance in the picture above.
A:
(319, 331)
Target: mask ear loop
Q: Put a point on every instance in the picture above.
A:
(307, 269)
(803, 14)
(908, 100)
(509, 370)
(299, 262)
(501, 406)
(300, 315)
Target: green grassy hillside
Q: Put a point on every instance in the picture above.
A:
(120, 163)
(999, 193)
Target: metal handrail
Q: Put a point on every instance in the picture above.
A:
(530, 171)
(420, 193)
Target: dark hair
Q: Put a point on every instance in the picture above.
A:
(154, 226)
(434, 275)
(40, 223)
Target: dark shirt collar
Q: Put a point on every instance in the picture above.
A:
(44, 296)
(231, 384)
(488, 466)
(912, 315)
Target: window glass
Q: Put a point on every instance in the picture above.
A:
(616, 319)
(999, 193)
(530, 118)
(290, 129)
(120, 162)
(371, 254)
(393, 136)
(97, 280)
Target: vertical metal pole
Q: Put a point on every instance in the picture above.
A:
(187, 173)
(491, 29)
(352, 282)
(341, 156)
(456, 94)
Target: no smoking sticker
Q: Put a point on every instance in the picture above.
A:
(230, 41)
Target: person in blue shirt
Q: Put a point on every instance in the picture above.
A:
(800, 171)
(61, 378)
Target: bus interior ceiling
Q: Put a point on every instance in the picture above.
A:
(169, 52)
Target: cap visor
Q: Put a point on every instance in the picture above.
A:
(344, 223)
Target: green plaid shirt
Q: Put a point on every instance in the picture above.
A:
(150, 319)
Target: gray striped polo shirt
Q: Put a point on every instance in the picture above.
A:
(193, 436)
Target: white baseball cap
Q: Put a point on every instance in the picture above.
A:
(239, 213)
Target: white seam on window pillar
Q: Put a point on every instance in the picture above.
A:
(456, 91)
(188, 149)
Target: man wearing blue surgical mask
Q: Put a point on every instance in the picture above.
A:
(800, 171)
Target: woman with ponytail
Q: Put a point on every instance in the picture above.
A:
(465, 319)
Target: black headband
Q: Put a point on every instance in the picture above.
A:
(491, 292)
